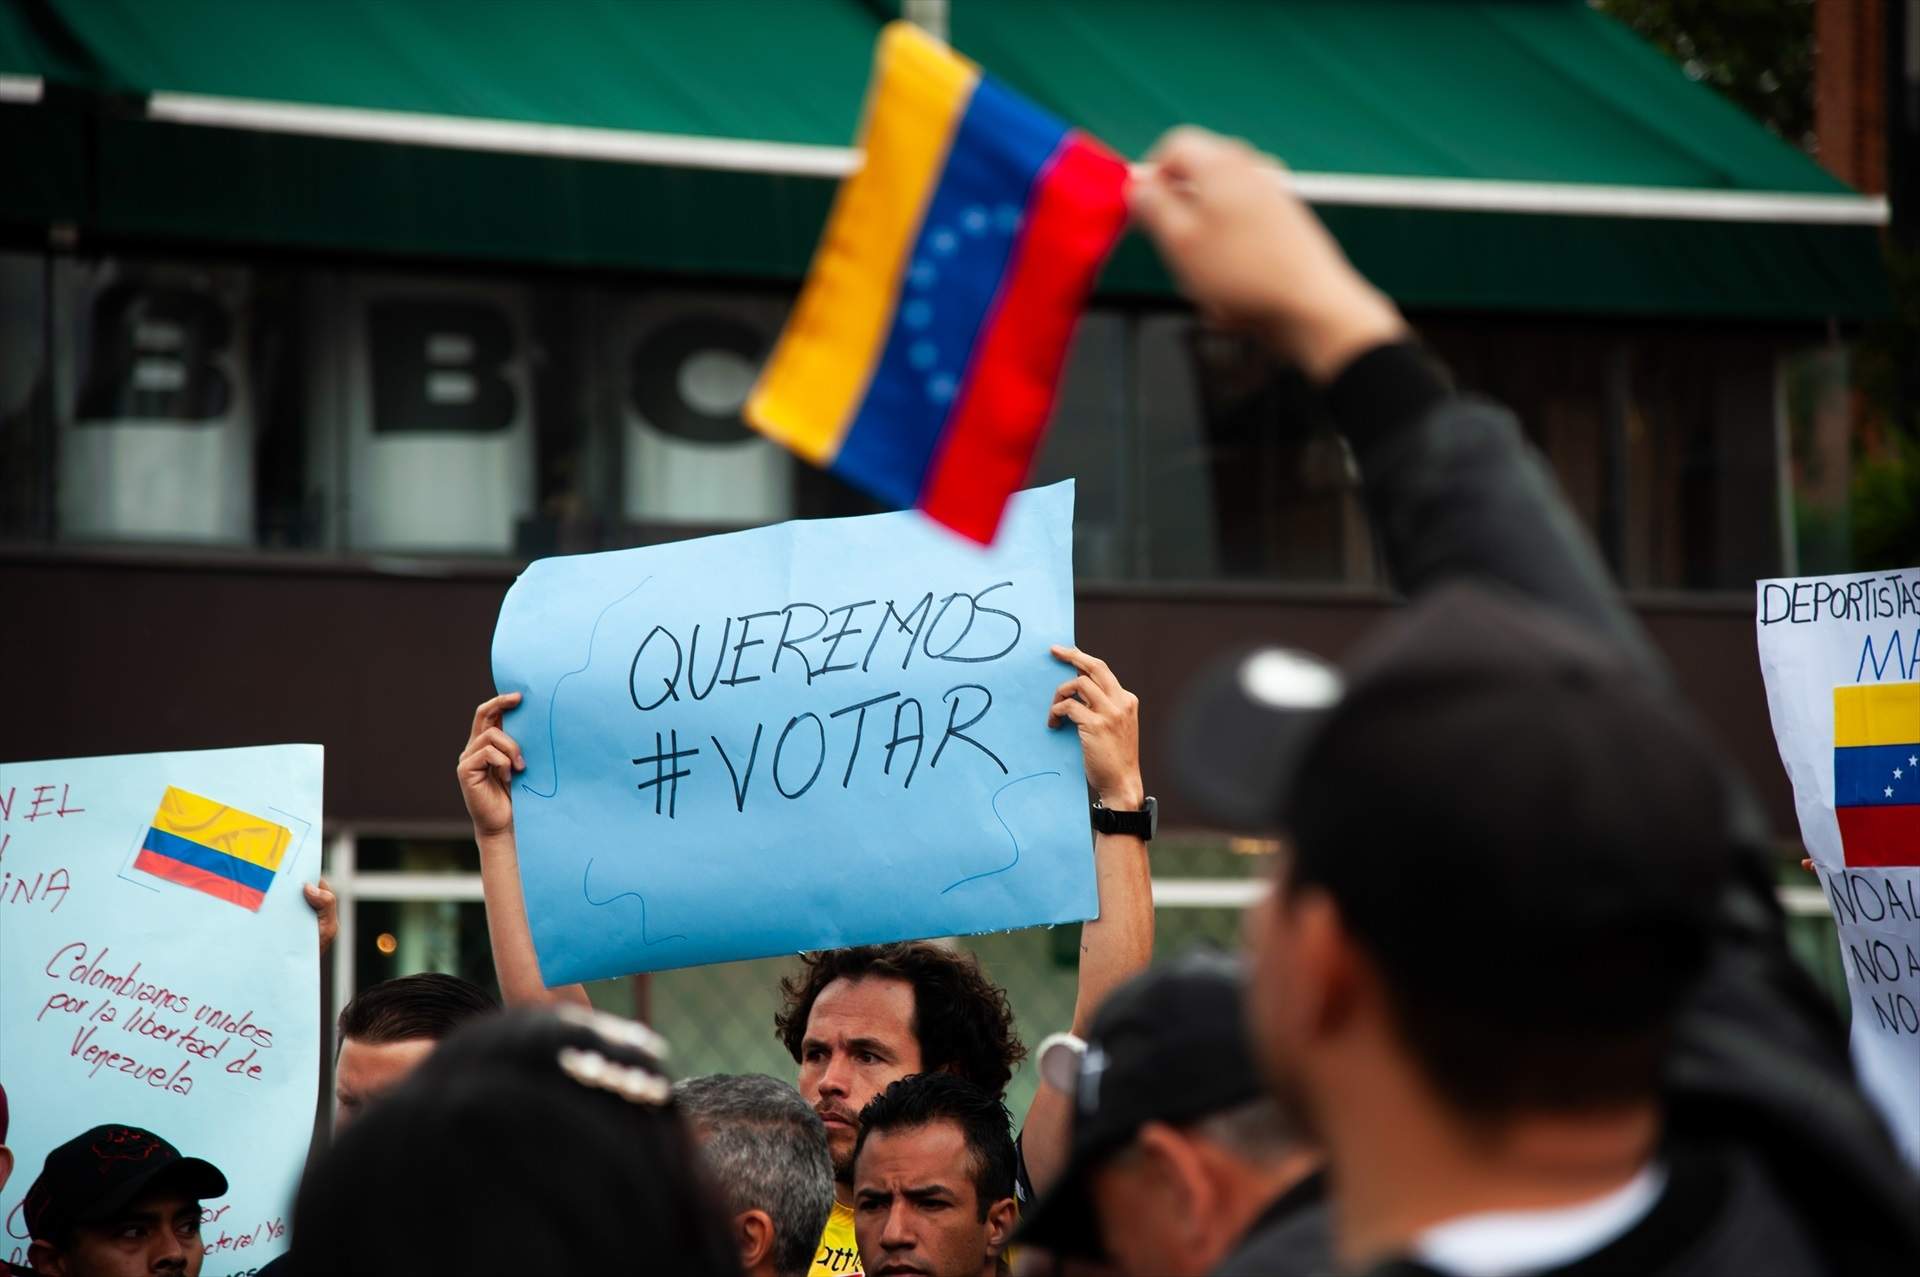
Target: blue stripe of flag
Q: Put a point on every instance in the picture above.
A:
(1862, 775)
(951, 280)
(188, 852)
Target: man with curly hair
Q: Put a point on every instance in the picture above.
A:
(858, 1020)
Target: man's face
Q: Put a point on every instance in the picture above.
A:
(1276, 1004)
(859, 1041)
(915, 1209)
(364, 1072)
(158, 1234)
(1140, 1221)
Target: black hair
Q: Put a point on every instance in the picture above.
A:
(926, 1098)
(533, 1141)
(961, 1019)
(429, 1005)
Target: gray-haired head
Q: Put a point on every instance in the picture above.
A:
(767, 1150)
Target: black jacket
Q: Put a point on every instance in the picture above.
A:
(1292, 1238)
(1760, 1088)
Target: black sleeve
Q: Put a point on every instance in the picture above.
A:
(1454, 491)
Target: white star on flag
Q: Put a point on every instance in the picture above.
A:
(1889, 791)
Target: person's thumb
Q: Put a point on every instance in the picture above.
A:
(1163, 211)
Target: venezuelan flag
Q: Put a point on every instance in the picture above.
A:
(214, 848)
(1876, 773)
(921, 360)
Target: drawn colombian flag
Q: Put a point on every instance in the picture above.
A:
(214, 848)
(1876, 773)
(921, 360)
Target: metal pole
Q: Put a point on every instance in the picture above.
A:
(340, 876)
(929, 15)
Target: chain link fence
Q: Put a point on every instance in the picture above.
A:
(720, 1018)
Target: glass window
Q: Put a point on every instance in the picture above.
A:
(1089, 440)
(1817, 388)
(362, 411)
(215, 404)
(156, 402)
(1241, 474)
(1667, 441)
(403, 937)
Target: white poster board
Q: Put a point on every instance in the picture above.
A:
(159, 967)
(1841, 659)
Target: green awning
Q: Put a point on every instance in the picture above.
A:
(1528, 155)
(1512, 154)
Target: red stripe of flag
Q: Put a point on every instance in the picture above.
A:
(1880, 837)
(1079, 209)
(199, 879)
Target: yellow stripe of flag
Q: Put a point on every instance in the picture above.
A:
(1876, 714)
(813, 384)
(223, 828)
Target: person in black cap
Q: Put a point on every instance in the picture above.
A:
(119, 1201)
(1522, 970)
(1181, 1163)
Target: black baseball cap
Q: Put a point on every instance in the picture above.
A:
(1498, 796)
(95, 1175)
(1169, 1045)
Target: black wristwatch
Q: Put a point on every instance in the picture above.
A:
(1142, 824)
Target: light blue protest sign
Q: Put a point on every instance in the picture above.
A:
(159, 968)
(824, 733)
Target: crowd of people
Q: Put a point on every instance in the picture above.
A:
(1518, 1002)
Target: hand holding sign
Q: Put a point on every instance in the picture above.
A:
(487, 766)
(1107, 717)
(798, 737)
(1841, 655)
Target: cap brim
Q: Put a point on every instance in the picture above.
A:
(199, 1179)
(1236, 749)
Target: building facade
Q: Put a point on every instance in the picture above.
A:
(284, 407)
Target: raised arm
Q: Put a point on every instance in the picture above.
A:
(1119, 943)
(485, 771)
(326, 911)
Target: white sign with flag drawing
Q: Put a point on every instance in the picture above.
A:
(1841, 659)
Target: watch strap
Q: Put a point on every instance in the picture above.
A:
(1135, 824)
